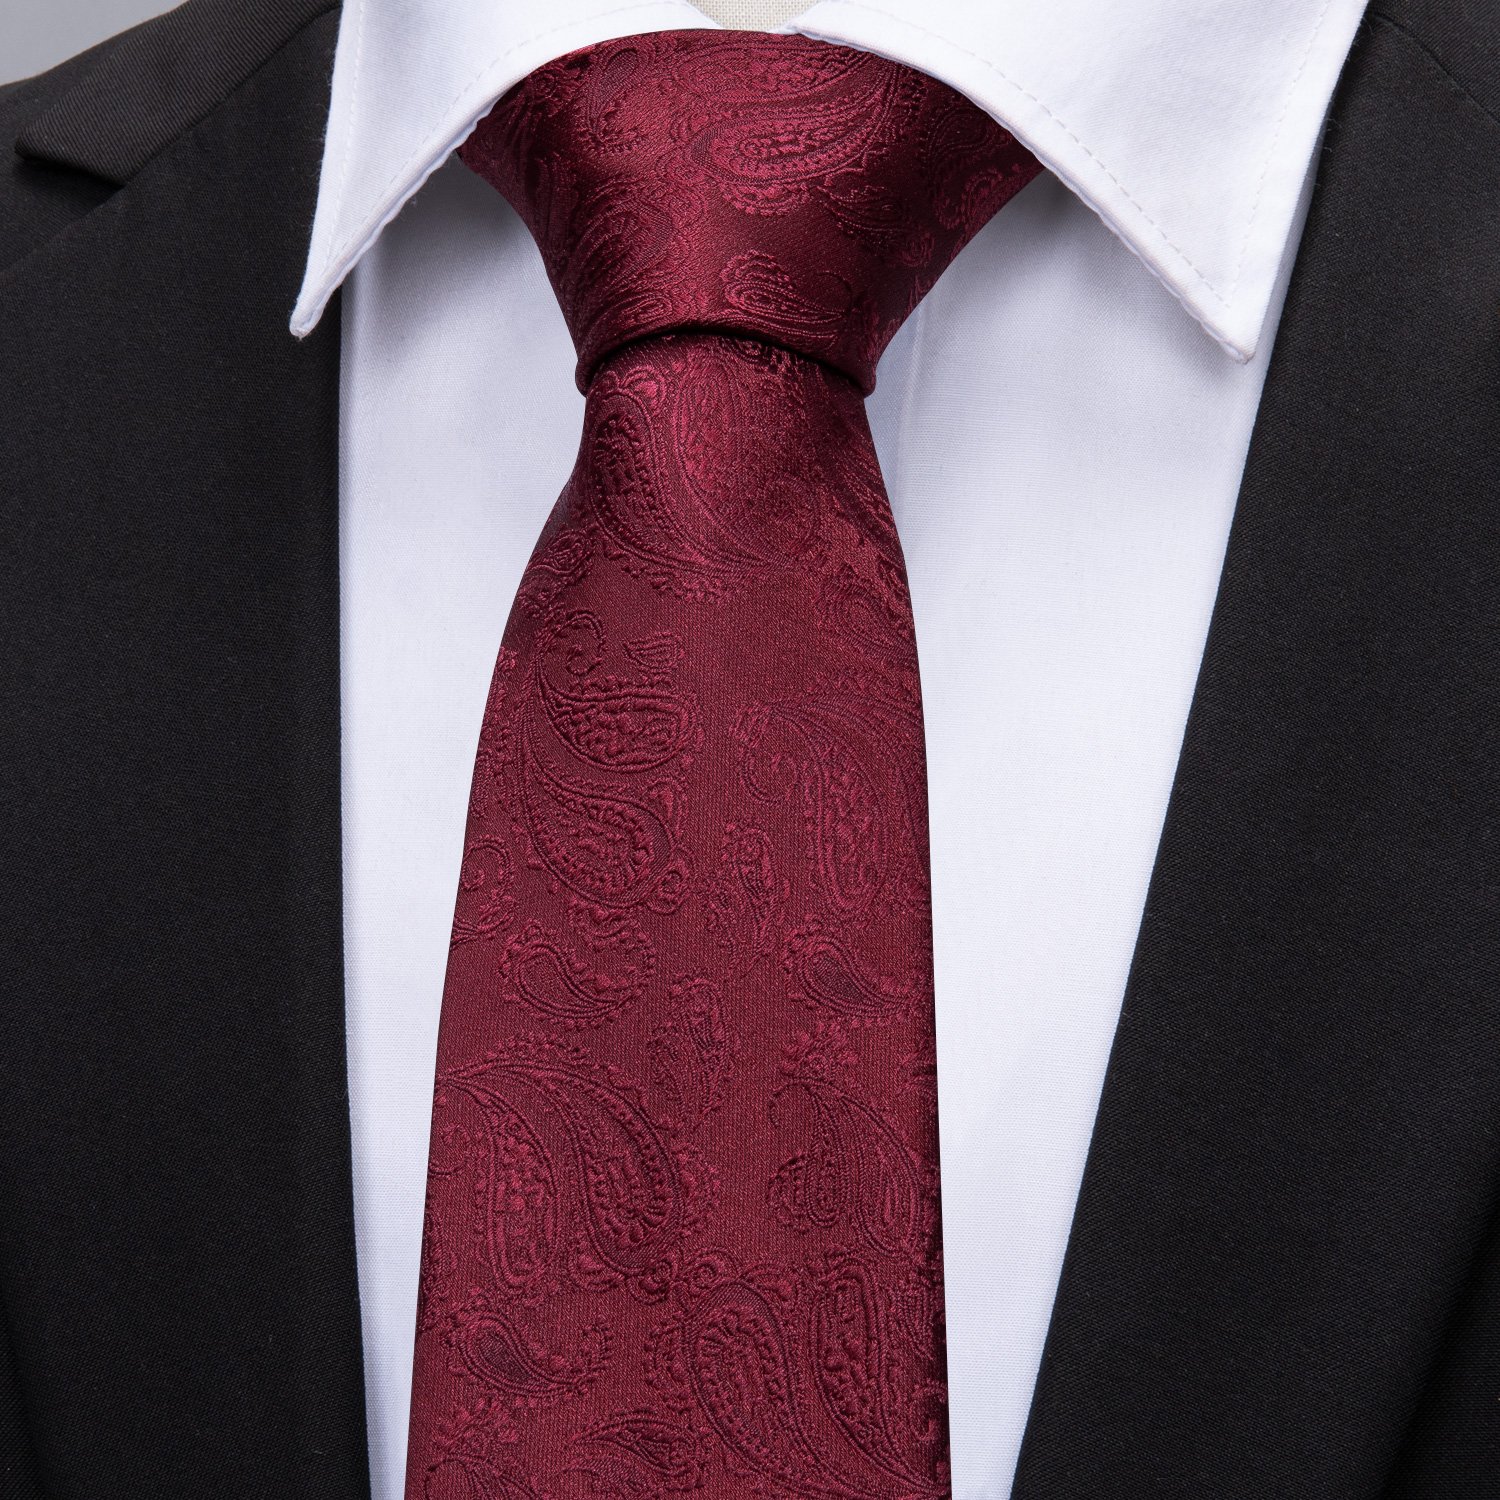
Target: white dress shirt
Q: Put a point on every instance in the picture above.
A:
(1062, 425)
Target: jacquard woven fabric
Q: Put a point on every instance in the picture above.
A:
(683, 1218)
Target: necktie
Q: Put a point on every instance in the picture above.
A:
(682, 1231)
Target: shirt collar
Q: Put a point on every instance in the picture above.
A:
(1188, 127)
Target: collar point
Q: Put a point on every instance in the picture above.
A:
(1236, 325)
(1239, 344)
(308, 313)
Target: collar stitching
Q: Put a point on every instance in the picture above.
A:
(359, 57)
(341, 255)
(1020, 88)
(1265, 166)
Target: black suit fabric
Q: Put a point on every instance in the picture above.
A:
(1283, 1280)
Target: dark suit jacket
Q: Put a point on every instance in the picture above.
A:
(1284, 1274)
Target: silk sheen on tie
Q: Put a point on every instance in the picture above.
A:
(682, 1229)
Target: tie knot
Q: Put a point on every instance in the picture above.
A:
(762, 186)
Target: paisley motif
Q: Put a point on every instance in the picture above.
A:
(699, 175)
(824, 973)
(619, 726)
(792, 130)
(692, 1052)
(750, 855)
(969, 182)
(758, 285)
(744, 1353)
(845, 814)
(694, 1249)
(710, 437)
(434, 1285)
(607, 98)
(496, 750)
(556, 1117)
(741, 1365)
(881, 618)
(523, 1225)
(605, 845)
(638, 1455)
(556, 983)
(862, 1383)
(561, 559)
(756, 484)
(661, 652)
(499, 1355)
(740, 73)
(655, 524)
(745, 905)
(622, 246)
(850, 1168)
(485, 890)
(874, 216)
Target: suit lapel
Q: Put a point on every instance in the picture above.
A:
(146, 87)
(1297, 1146)
(178, 1265)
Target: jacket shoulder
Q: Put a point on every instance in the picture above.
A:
(35, 202)
(71, 136)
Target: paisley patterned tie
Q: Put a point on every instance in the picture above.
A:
(682, 1228)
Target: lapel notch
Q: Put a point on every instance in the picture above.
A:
(146, 87)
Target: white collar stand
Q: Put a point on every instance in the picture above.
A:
(1187, 125)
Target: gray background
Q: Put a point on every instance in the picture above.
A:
(37, 34)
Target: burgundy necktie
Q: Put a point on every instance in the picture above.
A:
(682, 1222)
